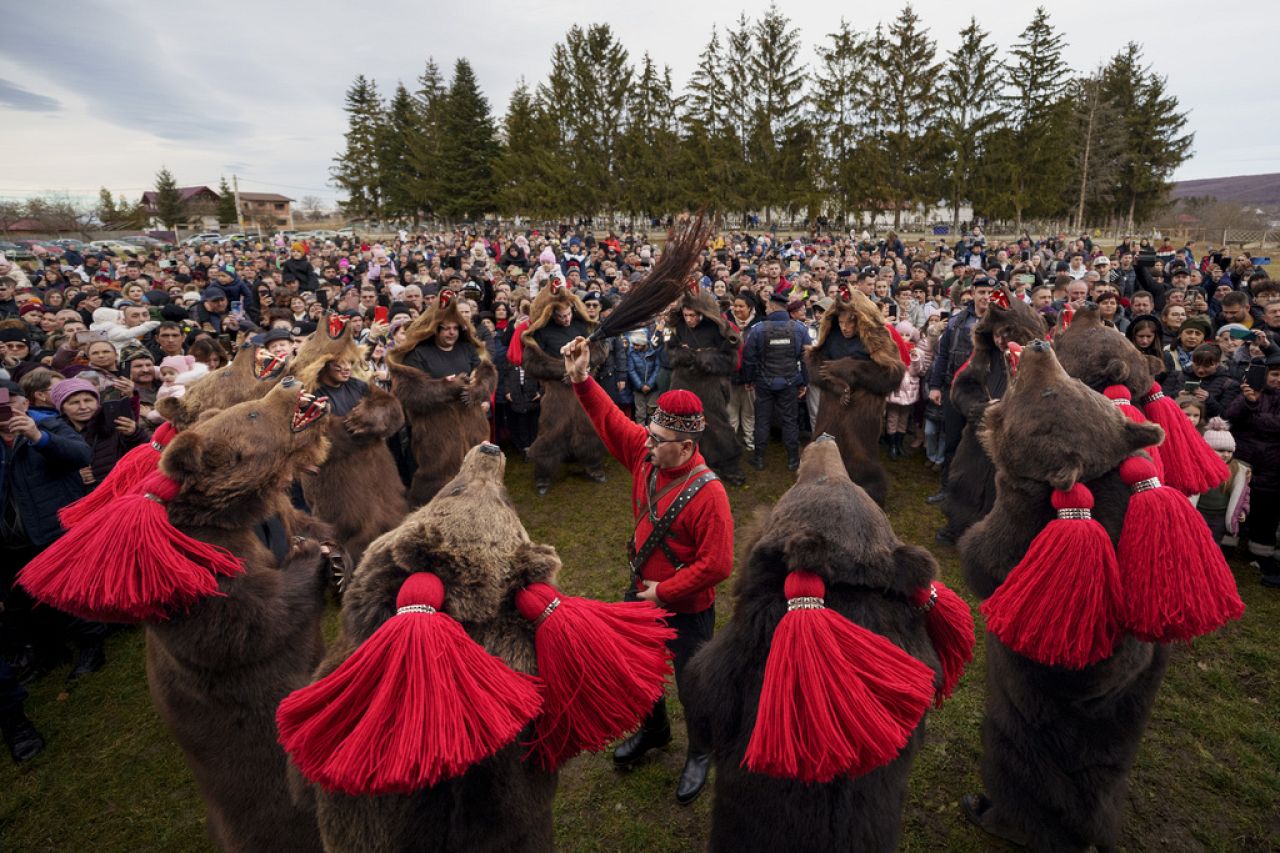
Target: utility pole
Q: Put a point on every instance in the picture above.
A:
(235, 185)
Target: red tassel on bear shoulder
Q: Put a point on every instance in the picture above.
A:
(1120, 397)
(1177, 584)
(602, 666)
(417, 703)
(131, 470)
(1059, 605)
(1190, 465)
(127, 563)
(837, 699)
(950, 625)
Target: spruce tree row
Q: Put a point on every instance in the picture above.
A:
(878, 121)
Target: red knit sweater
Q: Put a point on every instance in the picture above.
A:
(702, 535)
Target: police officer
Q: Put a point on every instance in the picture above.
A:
(773, 363)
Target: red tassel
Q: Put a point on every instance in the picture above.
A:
(128, 563)
(602, 667)
(515, 351)
(1059, 604)
(1119, 395)
(131, 470)
(837, 698)
(1177, 584)
(417, 703)
(1190, 465)
(950, 625)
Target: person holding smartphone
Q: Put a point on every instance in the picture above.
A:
(1254, 416)
(111, 429)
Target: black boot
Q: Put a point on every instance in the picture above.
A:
(694, 777)
(654, 733)
(542, 487)
(756, 461)
(23, 740)
(898, 438)
(90, 659)
(793, 459)
(894, 452)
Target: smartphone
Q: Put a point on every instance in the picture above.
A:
(1192, 386)
(237, 307)
(1241, 334)
(380, 314)
(1025, 278)
(6, 410)
(154, 313)
(86, 338)
(1256, 376)
(112, 409)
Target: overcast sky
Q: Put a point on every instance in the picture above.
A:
(99, 93)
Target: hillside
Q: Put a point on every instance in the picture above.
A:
(1262, 190)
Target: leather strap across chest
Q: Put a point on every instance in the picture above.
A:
(692, 484)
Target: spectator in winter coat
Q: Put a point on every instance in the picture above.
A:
(1255, 422)
(1207, 379)
(77, 401)
(642, 375)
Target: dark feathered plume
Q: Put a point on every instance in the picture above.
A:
(664, 283)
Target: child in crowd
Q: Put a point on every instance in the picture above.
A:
(1193, 408)
(642, 374)
(1225, 507)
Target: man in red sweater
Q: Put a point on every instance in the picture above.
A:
(683, 542)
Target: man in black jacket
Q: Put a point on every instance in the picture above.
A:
(40, 464)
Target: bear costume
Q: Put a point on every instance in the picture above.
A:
(1057, 742)
(357, 491)
(828, 526)
(498, 798)
(703, 360)
(443, 393)
(244, 378)
(231, 629)
(855, 374)
(564, 432)
(971, 481)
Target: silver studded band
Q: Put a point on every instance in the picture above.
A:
(805, 602)
(1122, 401)
(152, 497)
(551, 608)
(1146, 485)
(1074, 513)
(933, 599)
(1153, 397)
(415, 608)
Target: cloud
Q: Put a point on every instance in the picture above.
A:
(14, 96)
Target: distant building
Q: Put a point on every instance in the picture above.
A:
(267, 211)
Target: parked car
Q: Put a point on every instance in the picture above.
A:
(197, 239)
(146, 242)
(230, 238)
(115, 247)
(73, 245)
(32, 245)
(324, 234)
(14, 252)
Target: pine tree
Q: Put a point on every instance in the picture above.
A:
(468, 149)
(357, 169)
(1035, 156)
(424, 140)
(911, 99)
(970, 113)
(106, 211)
(839, 91)
(648, 155)
(396, 170)
(227, 214)
(1154, 142)
(706, 102)
(1098, 153)
(169, 205)
(777, 134)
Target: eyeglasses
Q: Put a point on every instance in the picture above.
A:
(653, 439)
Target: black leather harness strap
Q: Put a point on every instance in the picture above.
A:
(657, 538)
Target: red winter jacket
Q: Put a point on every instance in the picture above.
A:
(702, 535)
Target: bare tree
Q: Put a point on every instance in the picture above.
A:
(312, 207)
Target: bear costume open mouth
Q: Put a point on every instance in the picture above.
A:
(337, 323)
(1012, 355)
(270, 366)
(308, 410)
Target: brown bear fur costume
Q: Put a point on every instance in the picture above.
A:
(504, 802)
(703, 360)
(1098, 355)
(217, 672)
(1057, 743)
(565, 433)
(971, 481)
(827, 525)
(445, 415)
(240, 380)
(855, 386)
(357, 491)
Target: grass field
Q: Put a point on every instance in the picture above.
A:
(1207, 776)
